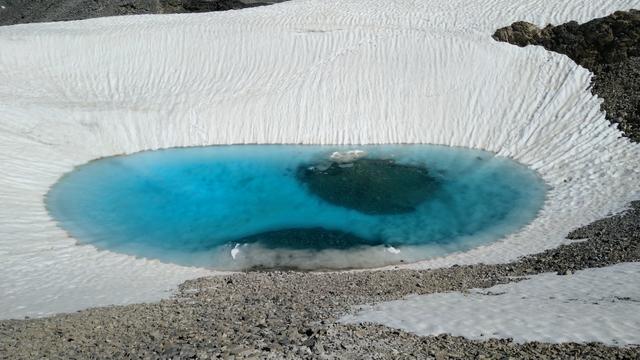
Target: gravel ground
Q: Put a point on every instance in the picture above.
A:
(619, 85)
(292, 314)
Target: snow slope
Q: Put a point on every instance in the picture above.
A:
(593, 305)
(306, 71)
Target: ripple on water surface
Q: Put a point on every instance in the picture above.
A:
(244, 206)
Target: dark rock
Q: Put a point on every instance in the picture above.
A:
(216, 5)
(30, 11)
(520, 33)
(606, 40)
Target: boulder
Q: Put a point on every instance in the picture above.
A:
(611, 39)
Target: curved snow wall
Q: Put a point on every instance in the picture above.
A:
(312, 72)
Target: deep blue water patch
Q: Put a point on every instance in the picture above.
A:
(243, 206)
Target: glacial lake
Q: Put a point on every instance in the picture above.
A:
(292, 206)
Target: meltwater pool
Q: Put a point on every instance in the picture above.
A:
(293, 206)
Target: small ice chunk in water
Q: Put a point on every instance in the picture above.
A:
(393, 250)
(347, 156)
(235, 251)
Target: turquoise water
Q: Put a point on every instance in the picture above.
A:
(211, 206)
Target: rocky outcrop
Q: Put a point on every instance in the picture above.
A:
(216, 5)
(608, 40)
(29, 11)
(609, 47)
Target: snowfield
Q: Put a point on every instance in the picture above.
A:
(305, 71)
(600, 305)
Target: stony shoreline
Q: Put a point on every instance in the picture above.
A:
(293, 314)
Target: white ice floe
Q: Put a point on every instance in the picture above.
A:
(235, 251)
(393, 250)
(347, 156)
(600, 305)
(305, 71)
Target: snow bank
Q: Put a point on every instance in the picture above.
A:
(307, 71)
(600, 305)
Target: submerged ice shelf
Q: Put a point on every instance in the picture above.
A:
(300, 72)
(192, 206)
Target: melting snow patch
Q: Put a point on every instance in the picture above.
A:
(600, 305)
